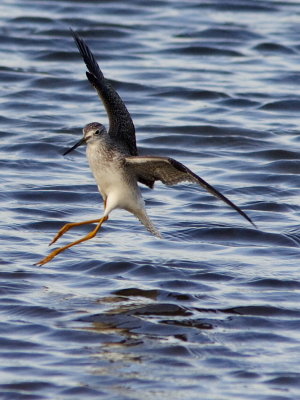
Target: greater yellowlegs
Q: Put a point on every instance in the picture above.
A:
(116, 166)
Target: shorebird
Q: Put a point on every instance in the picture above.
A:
(116, 165)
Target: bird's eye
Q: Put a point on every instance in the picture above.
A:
(97, 132)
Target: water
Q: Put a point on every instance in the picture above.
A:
(212, 310)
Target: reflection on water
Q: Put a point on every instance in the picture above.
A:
(213, 307)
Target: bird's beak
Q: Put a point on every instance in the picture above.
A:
(81, 142)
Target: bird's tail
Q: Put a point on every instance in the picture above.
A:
(145, 220)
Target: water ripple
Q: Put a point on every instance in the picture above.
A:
(213, 307)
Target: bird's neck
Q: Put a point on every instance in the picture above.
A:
(101, 152)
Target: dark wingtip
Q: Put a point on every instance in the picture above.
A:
(243, 214)
(211, 190)
(251, 222)
(76, 38)
(87, 56)
(73, 33)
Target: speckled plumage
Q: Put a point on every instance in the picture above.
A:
(121, 126)
(114, 160)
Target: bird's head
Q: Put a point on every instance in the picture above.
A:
(92, 132)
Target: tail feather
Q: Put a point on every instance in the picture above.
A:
(145, 220)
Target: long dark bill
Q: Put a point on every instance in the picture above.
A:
(81, 142)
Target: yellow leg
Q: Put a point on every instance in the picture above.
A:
(87, 237)
(70, 225)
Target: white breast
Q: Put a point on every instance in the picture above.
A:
(117, 188)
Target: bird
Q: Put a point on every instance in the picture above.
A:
(116, 165)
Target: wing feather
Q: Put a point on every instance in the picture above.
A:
(121, 126)
(170, 172)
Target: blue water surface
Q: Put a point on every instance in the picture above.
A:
(212, 310)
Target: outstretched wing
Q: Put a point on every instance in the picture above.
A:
(170, 172)
(121, 127)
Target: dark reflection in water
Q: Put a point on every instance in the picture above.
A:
(212, 309)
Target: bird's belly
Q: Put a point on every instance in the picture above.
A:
(117, 189)
(107, 181)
